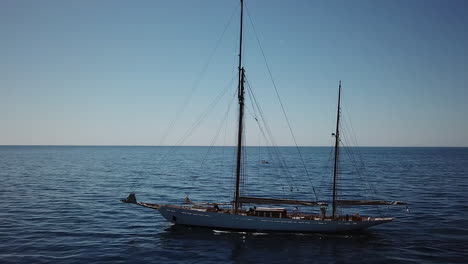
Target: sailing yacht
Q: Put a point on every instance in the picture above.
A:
(267, 217)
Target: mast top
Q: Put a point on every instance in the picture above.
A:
(241, 31)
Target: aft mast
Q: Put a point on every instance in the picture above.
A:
(240, 96)
(337, 151)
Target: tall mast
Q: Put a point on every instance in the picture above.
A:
(240, 95)
(337, 143)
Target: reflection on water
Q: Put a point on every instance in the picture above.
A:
(244, 247)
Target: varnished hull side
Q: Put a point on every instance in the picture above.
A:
(186, 216)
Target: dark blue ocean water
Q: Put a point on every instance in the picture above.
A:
(61, 204)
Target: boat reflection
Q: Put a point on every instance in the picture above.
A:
(247, 247)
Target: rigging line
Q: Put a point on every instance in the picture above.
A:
(192, 91)
(233, 166)
(197, 81)
(354, 160)
(224, 120)
(261, 130)
(189, 131)
(225, 131)
(254, 101)
(270, 136)
(351, 130)
(279, 99)
(259, 153)
(218, 132)
(244, 157)
(330, 156)
(350, 155)
(283, 163)
(360, 156)
(363, 177)
(249, 90)
(225, 155)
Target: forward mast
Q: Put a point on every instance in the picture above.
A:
(240, 96)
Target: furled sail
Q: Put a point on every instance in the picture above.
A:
(259, 200)
(367, 202)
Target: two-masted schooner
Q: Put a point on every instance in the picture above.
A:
(267, 218)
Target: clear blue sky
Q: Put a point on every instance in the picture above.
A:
(116, 72)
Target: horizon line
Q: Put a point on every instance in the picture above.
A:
(314, 146)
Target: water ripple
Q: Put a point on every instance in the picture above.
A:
(60, 204)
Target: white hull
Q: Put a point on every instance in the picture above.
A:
(194, 217)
